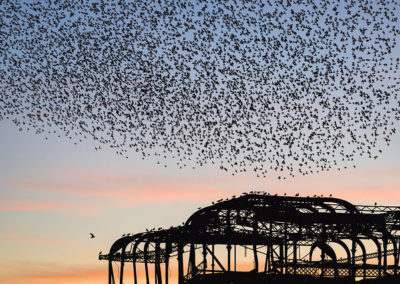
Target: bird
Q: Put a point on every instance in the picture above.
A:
(92, 236)
(278, 93)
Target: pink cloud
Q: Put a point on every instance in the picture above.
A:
(79, 208)
(123, 195)
(383, 195)
(27, 206)
(103, 191)
(113, 190)
(124, 188)
(36, 240)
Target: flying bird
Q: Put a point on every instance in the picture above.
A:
(281, 88)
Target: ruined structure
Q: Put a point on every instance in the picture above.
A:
(258, 236)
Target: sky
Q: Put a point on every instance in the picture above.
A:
(54, 193)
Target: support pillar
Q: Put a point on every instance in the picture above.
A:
(111, 279)
(167, 252)
(286, 248)
(294, 257)
(134, 271)
(212, 261)
(266, 266)
(121, 274)
(255, 258)
(385, 244)
(180, 263)
(146, 266)
(323, 261)
(353, 258)
(204, 259)
(234, 257)
(157, 268)
(229, 247)
(192, 259)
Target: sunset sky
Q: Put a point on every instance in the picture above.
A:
(54, 193)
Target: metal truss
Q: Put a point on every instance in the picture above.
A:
(282, 233)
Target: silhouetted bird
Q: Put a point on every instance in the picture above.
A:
(291, 88)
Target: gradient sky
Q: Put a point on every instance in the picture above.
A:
(54, 193)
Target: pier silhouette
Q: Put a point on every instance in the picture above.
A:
(289, 238)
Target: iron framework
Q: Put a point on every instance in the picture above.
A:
(282, 233)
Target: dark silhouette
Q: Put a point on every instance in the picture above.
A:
(289, 238)
(92, 236)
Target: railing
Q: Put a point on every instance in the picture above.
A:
(367, 256)
(338, 270)
(138, 256)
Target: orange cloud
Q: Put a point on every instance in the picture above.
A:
(113, 190)
(64, 276)
(173, 191)
(123, 188)
(382, 194)
(27, 206)
(46, 273)
(109, 192)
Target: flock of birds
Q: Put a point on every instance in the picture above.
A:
(287, 87)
